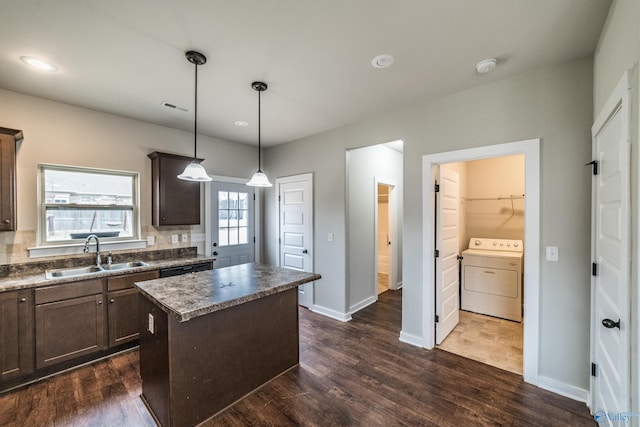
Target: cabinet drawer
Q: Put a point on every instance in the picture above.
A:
(69, 290)
(127, 281)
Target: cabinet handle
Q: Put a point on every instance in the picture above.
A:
(112, 300)
(99, 302)
(23, 300)
(7, 221)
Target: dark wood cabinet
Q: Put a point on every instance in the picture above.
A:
(174, 201)
(69, 321)
(8, 140)
(123, 306)
(16, 334)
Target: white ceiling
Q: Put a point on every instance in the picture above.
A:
(127, 57)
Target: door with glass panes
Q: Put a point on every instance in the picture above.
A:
(232, 229)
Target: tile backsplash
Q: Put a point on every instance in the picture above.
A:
(14, 245)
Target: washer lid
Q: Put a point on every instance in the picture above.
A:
(492, 253)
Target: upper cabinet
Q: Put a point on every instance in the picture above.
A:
(174, 201)
(8, 140)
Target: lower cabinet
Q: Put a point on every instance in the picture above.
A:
(16, 334)
(69, 321)
(123, 306)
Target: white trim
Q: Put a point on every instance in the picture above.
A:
(563, 389)
(71, 249)
(364, 303)
(343, 317)
(531, 150)
(410, 339)
(257, 229)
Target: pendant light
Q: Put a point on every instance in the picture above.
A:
(259, 179)
(194, 170)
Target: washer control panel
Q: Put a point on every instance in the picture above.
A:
(496, 244)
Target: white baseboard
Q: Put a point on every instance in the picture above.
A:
(343, 317)
(411, 339)
(362, 304)
(563, 389)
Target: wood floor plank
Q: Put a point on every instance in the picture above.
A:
(350, 374)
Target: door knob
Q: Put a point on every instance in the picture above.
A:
(215, 253)
(304, 251)
(608, 323)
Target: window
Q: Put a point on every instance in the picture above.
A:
(76, 202)
(233, 218)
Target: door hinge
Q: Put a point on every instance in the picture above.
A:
(436, 253)
(278, 198)
(594, 169)
(594, 269)
(254, 196)
(436, 188)
(437, 318)
(594, 369)
(254, 239)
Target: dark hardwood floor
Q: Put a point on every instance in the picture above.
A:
(350, 374)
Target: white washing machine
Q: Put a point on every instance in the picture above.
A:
(492, 278)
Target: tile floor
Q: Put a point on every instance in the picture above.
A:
(383, 282)
(496, 342)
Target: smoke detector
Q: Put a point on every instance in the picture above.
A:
(486, 65)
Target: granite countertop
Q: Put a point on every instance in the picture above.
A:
(189, 296)
(35, 280)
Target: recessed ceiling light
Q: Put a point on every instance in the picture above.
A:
(38, 63)
(486, 65)
(241, 123)
(383, 61)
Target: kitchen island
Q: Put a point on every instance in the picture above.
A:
(208, 339)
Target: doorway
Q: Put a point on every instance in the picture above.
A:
(531, 151)
(479, 221)
(385, 225)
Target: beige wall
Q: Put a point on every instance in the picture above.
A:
(489, 179)
(63, 134)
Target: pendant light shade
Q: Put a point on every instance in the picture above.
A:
(259, 179)
(194, 170)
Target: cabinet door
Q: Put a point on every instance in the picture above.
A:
(7, 182)
(174, 201)
(68, 329)
(16, 334)
(123, 316)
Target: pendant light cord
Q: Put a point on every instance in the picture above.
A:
(259, 132)
(195, 121)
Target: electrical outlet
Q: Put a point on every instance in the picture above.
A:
(330, 237)
(151, 240)
(174, 239)
(185, 238)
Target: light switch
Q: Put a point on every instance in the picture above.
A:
(174, 238)
(552, 253)
(330, 237)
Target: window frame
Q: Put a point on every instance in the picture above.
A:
(43, 206)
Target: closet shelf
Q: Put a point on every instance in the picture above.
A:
(510, 197)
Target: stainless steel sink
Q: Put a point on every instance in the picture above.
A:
(124, 265)
(70, 272)
(94, 269)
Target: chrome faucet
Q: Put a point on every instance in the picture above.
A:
(86, 248)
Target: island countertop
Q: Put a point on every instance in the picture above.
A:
(188, 296)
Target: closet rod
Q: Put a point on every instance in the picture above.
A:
(510, 197)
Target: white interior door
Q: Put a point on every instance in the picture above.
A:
(447, 291)
(232, 229)
(295, 223)
(611, 251)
